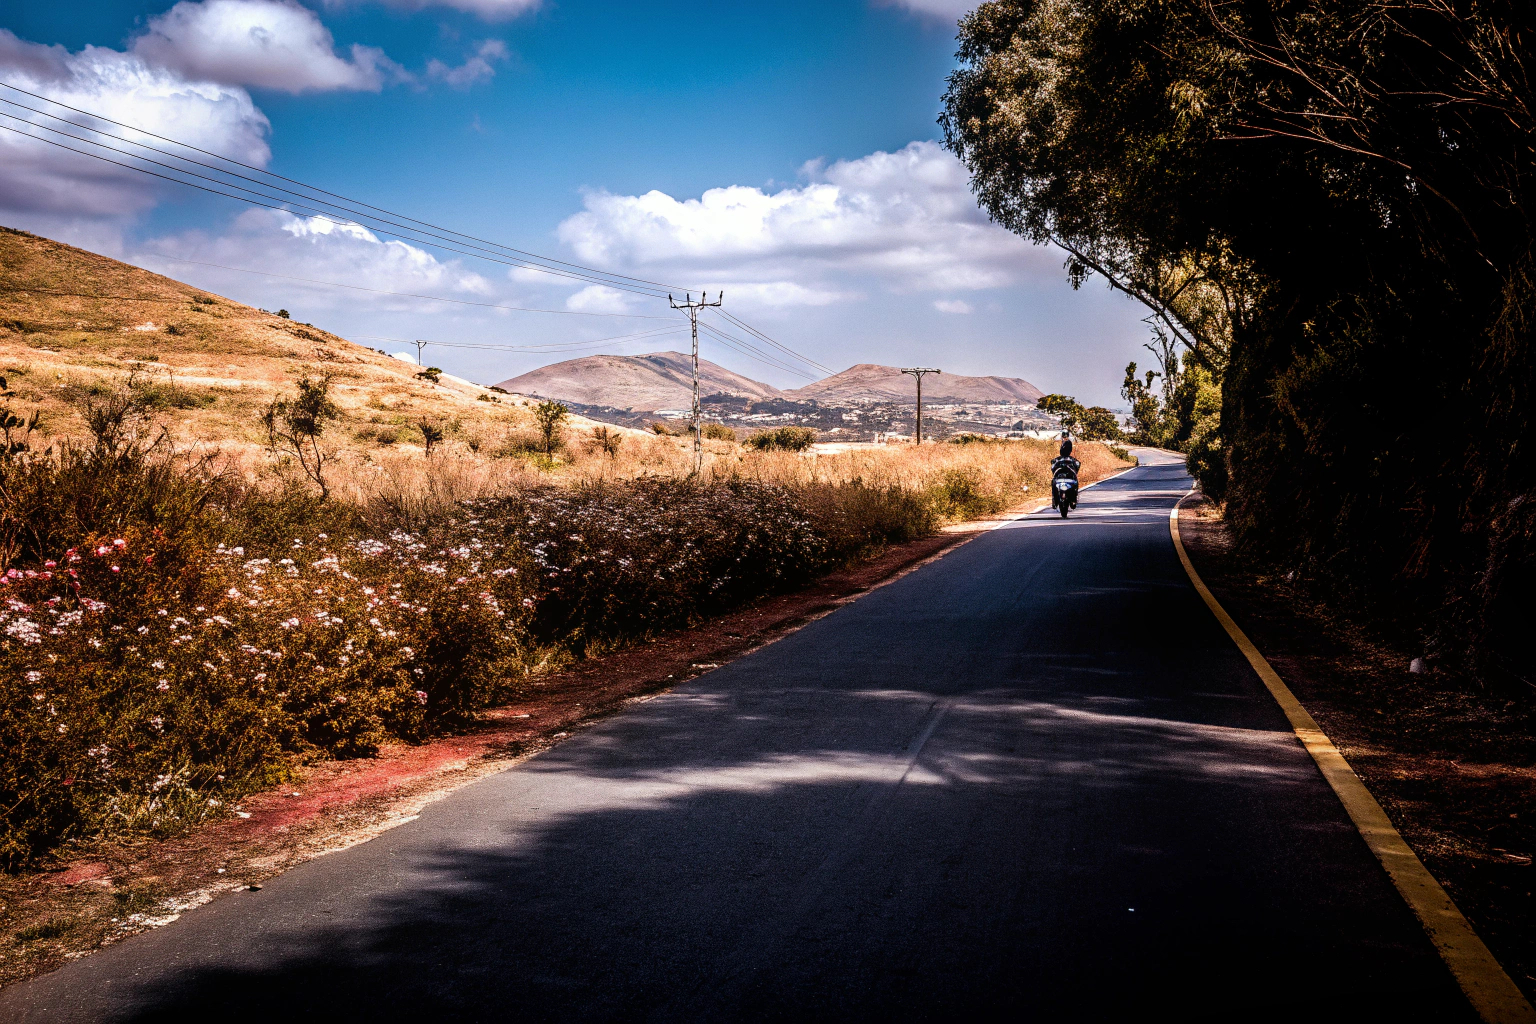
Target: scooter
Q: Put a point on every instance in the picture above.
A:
(1064, 491)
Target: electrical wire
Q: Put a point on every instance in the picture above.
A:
(292, 181)
(319, 213)
(551, 346)
(408, 295)
(267, 201)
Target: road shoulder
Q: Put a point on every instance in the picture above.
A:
(1453, 764)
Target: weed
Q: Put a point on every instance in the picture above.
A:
(53, 928)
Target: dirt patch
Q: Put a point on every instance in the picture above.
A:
(111, 890)
(1451, 759)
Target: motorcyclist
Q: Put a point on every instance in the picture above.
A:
(1064, 465)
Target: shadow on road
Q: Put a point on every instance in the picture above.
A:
(1032, 779)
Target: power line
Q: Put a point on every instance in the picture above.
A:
(551, 347)
(291, 181)
(322, 214)
(408, 295)
(737, 345)
(782, 348)
(264, 199)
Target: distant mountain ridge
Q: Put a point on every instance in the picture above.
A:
(663, 380)
(656, 380)
(871, 382)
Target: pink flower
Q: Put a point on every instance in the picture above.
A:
(421, 697)
(50, 565)
(116, 569)
(119, 543)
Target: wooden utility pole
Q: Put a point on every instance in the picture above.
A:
(917, 374)
(692, 309)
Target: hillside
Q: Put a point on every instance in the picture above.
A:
(656, 380)
(72, 321)
(870, 382)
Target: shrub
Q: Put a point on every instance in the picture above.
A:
(719, 432)
(784, 439)
(959, 495)
(550, 417)
(146, 680)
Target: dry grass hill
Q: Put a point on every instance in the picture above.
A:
(73, 322)
(870, 382)
(656, 380)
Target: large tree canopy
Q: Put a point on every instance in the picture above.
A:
(1326, 202)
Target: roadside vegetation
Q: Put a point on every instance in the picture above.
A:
(180, 627)
(1325, 207)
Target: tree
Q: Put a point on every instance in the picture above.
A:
(1324, 206)
(550, 416)
(294, 426)
(1067, 410)
(431, 435)
(1099, 424)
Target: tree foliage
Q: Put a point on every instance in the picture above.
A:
(1324, 204)
(551, 417)
(294, 425)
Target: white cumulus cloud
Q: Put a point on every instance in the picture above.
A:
(952, 306)
(598, 298)
(478, 68)
(905, 220)
(36, 177)
(270, 44)
(317, 249)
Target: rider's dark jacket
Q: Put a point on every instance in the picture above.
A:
(1064, 465)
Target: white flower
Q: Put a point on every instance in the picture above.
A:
(163, 685)
(157, 664)
(33, 677)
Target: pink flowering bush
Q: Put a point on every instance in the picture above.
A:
(143, 684)
(152, 675)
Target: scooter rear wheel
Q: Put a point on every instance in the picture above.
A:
(1063, 510)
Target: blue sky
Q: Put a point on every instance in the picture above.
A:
(783, 152)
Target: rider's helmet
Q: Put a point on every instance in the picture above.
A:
(1066, 447)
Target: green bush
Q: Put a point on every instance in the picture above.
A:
(782, 439)
(958, 495)
(718, 432)
(1207, 457)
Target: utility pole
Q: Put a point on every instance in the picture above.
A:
(917, 374)
(692, 307)
(420, 346)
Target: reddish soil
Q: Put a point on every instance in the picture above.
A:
(113, 889)
(1451, 759)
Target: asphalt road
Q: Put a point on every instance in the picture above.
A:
(1033, 780)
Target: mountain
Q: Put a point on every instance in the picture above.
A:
(656, 380)
(870, 382)
(72, 322)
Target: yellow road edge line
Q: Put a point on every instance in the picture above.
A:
(1488, 988)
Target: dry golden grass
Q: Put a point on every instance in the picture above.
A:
(70, 319)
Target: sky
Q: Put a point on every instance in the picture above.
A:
(788, 154)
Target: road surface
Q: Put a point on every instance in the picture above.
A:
(1032, 780)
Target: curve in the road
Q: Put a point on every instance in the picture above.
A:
(1033, 778)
